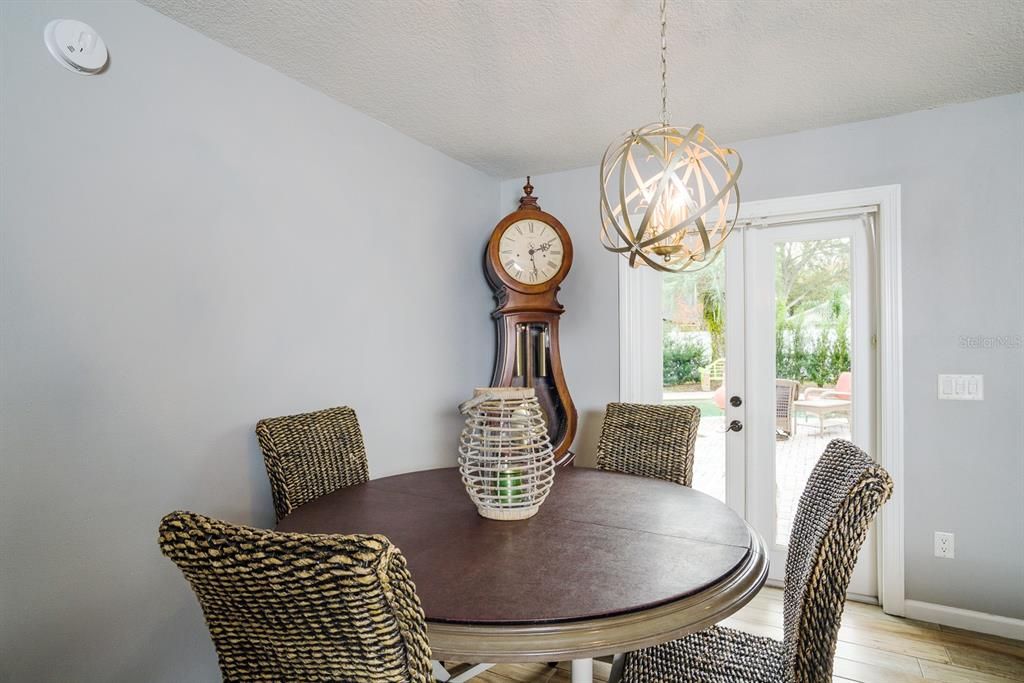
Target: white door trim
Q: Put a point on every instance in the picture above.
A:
(735, 372)
(636, 342)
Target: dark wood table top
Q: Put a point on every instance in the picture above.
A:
(602, 544)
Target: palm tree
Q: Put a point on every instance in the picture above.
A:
(713, 312)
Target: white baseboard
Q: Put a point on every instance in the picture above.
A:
(981, 622)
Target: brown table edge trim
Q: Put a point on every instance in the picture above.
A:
(473, 643)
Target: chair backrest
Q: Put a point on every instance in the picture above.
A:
(649, 440)
(844, 385)
(301, 607)
(842, 496)
(312, 454)
(719, 397)
(786, 391)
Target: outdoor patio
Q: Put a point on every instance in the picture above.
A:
(795, 457)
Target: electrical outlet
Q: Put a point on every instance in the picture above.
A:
(945, 545)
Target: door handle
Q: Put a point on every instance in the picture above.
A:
(735, 401)
(735, 426)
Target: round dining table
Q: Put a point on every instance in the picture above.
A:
(611, 563)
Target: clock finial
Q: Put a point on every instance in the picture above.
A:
(528, 201)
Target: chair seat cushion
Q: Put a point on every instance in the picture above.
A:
(716, 655)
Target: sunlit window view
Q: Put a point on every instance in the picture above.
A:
(813, 383)
(693, 356)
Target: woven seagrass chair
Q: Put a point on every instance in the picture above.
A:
(311, 455)
(301, 607)
(649, 440)
(844, 492)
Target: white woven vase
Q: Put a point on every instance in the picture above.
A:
(505, 454)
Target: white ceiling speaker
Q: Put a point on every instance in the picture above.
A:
(76, 46)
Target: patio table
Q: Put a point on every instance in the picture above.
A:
(820, 407)
(610, 563)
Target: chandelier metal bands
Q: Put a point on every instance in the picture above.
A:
(669, 199)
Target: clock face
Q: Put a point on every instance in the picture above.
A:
(531, 251)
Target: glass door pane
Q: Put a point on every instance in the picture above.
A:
(693, 360)
(813, 389)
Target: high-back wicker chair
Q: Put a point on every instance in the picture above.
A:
(842, 496)
(312, 454)
(301, 607)
(649, 440)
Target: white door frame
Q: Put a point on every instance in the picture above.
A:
(640, 354)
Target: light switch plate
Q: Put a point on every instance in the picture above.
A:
(962, 387)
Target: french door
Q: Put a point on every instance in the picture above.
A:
(774, 343)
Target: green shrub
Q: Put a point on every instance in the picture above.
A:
(792, 356)
(682, 360)
(818, 368)
(839, 356)
(819, 362)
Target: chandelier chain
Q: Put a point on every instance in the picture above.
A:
(664, 66)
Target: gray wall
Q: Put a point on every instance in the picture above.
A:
(961, 169)
(192, 241)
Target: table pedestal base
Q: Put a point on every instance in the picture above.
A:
(583, 671)
(460, 674)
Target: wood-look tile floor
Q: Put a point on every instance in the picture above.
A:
(873, 648)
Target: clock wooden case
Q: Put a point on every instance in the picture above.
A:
(528, 256)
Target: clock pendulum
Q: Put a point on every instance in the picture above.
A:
(528, 255)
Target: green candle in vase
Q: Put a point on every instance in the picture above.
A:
(510, 485)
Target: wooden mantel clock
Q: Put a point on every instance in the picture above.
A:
(528, 256)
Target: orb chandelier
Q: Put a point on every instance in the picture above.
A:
(667, 191)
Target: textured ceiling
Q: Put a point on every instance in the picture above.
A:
(530, 86)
